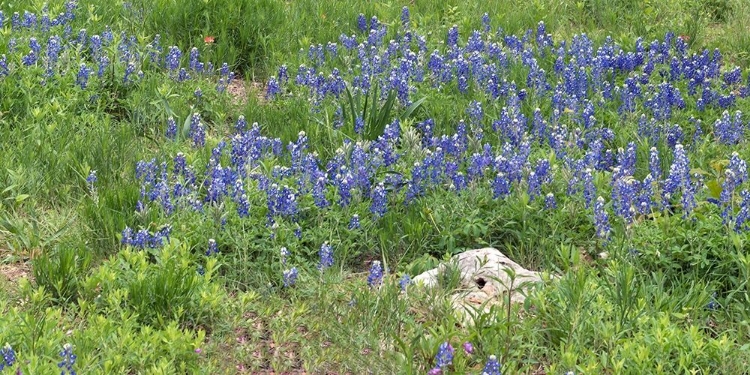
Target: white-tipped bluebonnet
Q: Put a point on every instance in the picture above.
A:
(290, 277)
(284, 253)
(375, 278)
(68, 360)
(405, 17)
(601, 219)
(326, 256)
(492, 367)
(197, 131)
(7, 357)
(171, 128)
(379, 204)
(354, 222)
(362, 22)
(654, 165)
(272, 88)
(549, 202)
(173, 58)
(213, 247)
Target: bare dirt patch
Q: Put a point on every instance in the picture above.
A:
(14, 272)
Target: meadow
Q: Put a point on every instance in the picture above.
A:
(249, 186)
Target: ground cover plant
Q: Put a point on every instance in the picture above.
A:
(250, 187)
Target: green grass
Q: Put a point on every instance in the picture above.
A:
(666, 294)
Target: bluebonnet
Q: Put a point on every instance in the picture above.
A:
(213, 247)
(354, 222)
(82, 78)
(4, 70)
(129, 70)
(549, 202)
(444, 355)
(171, 128)
(601, 219)
(589, 189)
(103, 64)
(241, 124)
(713, 304)
(243, 204)
(319, 190)
(290, 277)
(730, 130)
(492, 367)
(7, 357)
(326, 256)
(375, 278)
(284, 252)
(744, 213)
(654, 165)
(68, 360)
(404, 282)
(362, 22)
(379, 204)
(197, 131)
(91, 182)
(500, 186)
(405, 17)
(272, 88)
(173, 58)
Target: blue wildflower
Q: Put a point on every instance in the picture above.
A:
(7, 357)
(375, 278)
(290, 277)
(362, 22)
(379, 204)
(549, 202)
(444, 356)
(492, 367)
(404, 282)
(68, 360)
(326, 256)
(171, 128)
(354, 222)
(213, 248)
(601, 219)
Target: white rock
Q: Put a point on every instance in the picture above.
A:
(484, 280)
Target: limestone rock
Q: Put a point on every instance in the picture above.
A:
(483, 281)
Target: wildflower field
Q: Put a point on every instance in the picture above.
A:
(250, 186)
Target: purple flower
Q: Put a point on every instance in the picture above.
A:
(468, 348)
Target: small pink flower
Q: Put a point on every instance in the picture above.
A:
(198, 350)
